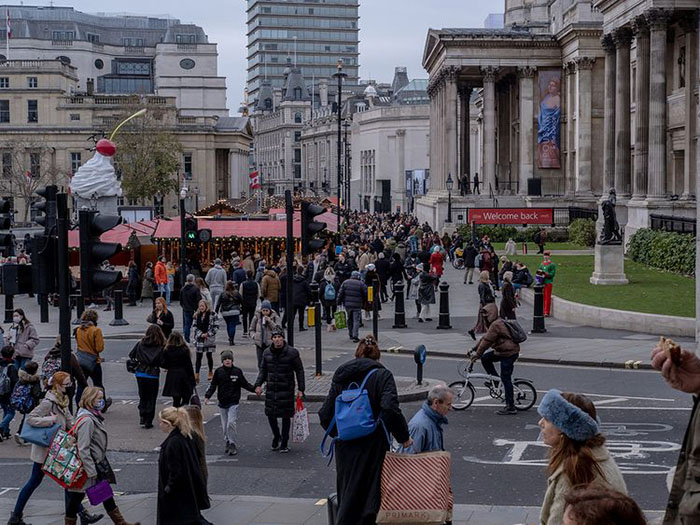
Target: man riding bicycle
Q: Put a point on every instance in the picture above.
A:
(497, 345)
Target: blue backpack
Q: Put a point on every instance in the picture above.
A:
(329, 292)
(353, 416)
(21, 399)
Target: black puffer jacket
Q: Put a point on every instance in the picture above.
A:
(279, 367)
(228, 381)
(302, 291)
(352, 294)
(149, 358)
(249, 293)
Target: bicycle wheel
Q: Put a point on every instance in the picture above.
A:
(458, 263)
(464, 395)
(524, 394)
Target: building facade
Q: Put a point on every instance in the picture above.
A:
(565, 107)
(123, 54)
(306, 34)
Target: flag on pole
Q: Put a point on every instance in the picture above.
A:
(255, 180)
(8, 29)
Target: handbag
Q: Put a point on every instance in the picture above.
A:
(86, 360)
(131, 365)
(62, 463)
(341, 319)
(99, 492)
(415, 488)
(231, 313)
(300, 424)
(41, 436)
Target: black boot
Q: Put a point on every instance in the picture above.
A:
(16, 519)
(88, 519)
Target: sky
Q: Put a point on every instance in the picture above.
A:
(392, 32)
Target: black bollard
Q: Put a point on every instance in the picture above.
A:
(538, 316)
(118, 309)
(43, 308)
(399, 306)
(444, 319)
(79, 306)
(9, 307)
(318, 327)
(375, 315)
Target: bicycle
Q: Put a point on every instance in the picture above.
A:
(458, 259)
(524, 393)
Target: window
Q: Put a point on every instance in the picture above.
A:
(132, 42)
(32, 82)
(297, 155)
(75, 116)
(63, 35)
(186, 39)
(35, 165)
(32, 111)
(7, 164)
(297, 136)
(99, 63)
(187, 164)
(76, 159)
(4, 82)
(94, 38)
(4, 111)
(133, 68)
(297, 118)
(187, 63)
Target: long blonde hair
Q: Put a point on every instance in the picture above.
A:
(177, 418)
(196, 420)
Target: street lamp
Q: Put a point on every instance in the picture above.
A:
(346, 126)
(183, 232)
(159, 204)
(449, 183)
(339, 76)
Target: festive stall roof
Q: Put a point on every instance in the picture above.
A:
(222, 207)
(120, 234)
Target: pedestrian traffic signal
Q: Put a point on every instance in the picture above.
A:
(5, 213)
(44, 256)
(45, 210)
(310, 227)
(191, 229)
(204, 235)
(93, 252)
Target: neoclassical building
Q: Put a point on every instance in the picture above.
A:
(574, 97)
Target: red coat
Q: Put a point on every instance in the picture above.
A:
(436, 263)
(161, 273)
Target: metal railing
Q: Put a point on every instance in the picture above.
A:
(673, 224)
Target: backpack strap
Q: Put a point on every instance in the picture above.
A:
(331, 449)
(362, 386)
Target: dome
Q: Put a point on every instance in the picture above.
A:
(370, 91)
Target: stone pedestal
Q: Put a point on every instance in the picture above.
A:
(104, 205)
(609, 266)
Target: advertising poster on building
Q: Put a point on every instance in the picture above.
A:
(511, 215)
(549, 119)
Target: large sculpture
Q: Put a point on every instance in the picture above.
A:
(610, 234)
(96, 178)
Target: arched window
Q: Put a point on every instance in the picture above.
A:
(297, 118)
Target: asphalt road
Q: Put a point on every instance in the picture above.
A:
(496, 459)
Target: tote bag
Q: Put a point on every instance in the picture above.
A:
(415, 488)
(62, 463)
(41, 436)
(300, 424)
(341, 319)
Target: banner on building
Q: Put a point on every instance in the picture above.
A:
(511, 215)
(255, 180)
(417, 182)
(549, 119)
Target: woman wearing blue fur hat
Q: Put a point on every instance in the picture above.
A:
(578, 456)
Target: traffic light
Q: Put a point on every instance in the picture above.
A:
(47, 207)
(5, 213)
(93, 252)
(310, 227)
(44, 255)
(191, 229)
(204, 235)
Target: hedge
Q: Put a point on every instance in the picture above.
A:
(673, 252)
(582, 232)
(499, 233)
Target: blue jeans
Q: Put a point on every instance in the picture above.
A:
(187, 324)
(354, 319)
(164, 289)
(21, 362)
(30, 486)
(231, 322)
(488, 358)
(8, 415)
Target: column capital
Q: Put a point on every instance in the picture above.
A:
(640, 26)
(658, 18)
(584, 63)
(490, 73)
(608, 45)
(622, 37)
(450, 73)
(569, 68)
(526, 72)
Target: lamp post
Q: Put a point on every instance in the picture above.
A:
(346, 125)
(183, 232)
(159, 204)
(196, 198)
(449, 183)
(339, 76)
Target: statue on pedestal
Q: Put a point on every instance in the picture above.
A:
(611, 229)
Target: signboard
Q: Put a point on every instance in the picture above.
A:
(511, 215)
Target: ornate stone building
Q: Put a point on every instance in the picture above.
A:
(574, 97)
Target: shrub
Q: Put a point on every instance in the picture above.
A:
(673, 252)
(501, 233)
(582, 232)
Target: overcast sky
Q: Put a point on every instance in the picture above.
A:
(392, 32)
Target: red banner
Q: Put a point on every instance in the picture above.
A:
(511, 215)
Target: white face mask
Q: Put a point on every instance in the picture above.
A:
(16, 319)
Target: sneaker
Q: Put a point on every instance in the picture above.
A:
(420, 320)
(355, 340)
(210, 376)
(506, 411)
(428, 319)
(148, 426)
(284, 449)
(275, 444)
(472, 334)
(88, 519)
(227, 448)
(232, 450)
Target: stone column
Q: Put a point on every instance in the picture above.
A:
(584, 88)
(442, 172)
(570, 101)
(689, 25)
(451, 123)
(622, 38)
(696, 64)
(489, 139)
(526, 155)
(658, 20)
(609, 114)
(465, 129)
(432, 145)
(641, 146)
(401, 147)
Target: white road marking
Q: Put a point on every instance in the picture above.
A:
(611, 400)
(5, 490)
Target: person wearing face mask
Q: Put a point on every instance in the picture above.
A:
(91, 344)
(23, 337)
(91, 439)
(52, 409)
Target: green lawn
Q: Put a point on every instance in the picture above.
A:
(532, 247)
(649, 291)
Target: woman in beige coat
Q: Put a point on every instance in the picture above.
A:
(91, 437)
(578, 457)
(52, 409)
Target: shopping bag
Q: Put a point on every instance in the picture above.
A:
(415, 488)
(62, 463)
(99, 492)
(341, 320)
(41, 436)
(300, 425)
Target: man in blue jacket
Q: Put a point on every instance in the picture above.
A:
(425, 428)
(352, 295)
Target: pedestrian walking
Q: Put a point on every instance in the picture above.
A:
(170, 271)
(179, 377)
(358, 462)
(53, 409)
(22, 336)
(265, 322)
(228, 381)
(508, 302)
(281, 364)
(540, 239)
(132, 286)
(487, 305)
(205, 328)
(470, 254)
(425, 428)
(148, 282)
(229, 307)
(250, 293)
(301, 297)
(352, 296)
(578, 456)
(204, 290)
(199, 438)
(146, 358)
(216, 280)
(52, 364)
(190, 296)
(270, 288)
(476, 184)
(26, 394)
(90, 345)
(413, 293)
(549, 269)
(426, 292)
(383, 266)
(162, 317)
(92, 441)
(182, 491)
(8, 380)
(161, 279)
(328, 294)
